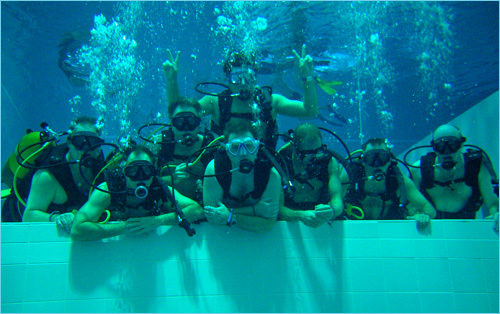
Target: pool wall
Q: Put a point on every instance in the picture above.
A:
(354, 266)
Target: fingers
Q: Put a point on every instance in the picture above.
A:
(303, 50)
(177, 58)
(170, 57)
(296, 54)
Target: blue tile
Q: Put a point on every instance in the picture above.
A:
(438, 303)
(85, 306)
(13, 283)
(430, 248)
(369, 302)
(46, 307)
(367, 275)
(397, 247)
(404, 303)
(13, 308)
(464, 248)
(472, 302)
(400, 274)
(491, 275)
(434, 275)
(361, 248)
(489, 249)
(46, 282)
(49, 252)
(14, 253)
(467, 275)
(15, 233)
(494, 303)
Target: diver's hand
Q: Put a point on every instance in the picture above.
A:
(311, 219)
(423, 220)
(65, 222)
(305, 63)
(217, 215)
(181, 172)
(142, 225)
(170, 65)
(324, 211)
(494, 217)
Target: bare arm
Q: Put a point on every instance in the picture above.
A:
(85, 225)
(335, 188)
(416, 198)
(42, 193)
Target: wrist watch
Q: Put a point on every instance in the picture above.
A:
(231, 220)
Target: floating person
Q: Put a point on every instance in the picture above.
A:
(381, 192)
(317, 194)
(241, 187)
(457, 183)
(76, 72)
(135, 198)
(59, 188)
(243, 98)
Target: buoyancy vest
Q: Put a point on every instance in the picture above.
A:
(166, 153)
(263, 99)
(472, 160)
(393, 181)
(62, 173)
(261, 170)
(115, 180)
(321, 173)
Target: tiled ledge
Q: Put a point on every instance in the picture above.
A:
(353, 266)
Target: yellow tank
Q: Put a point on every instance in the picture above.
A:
(10, 167)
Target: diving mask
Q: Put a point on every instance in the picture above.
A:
(376, 157)
(140, 170)
(446, 145)
(242, 147)
(186, 121)
(84, 140)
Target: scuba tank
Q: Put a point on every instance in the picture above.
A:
(29, 144)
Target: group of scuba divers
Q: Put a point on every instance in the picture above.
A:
(232, 174)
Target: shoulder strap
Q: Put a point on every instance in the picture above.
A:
(427, 171)
(167, 148)
(261, 175)
(223, 164)
(473, 160)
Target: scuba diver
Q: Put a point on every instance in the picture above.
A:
(180, 141)
(134, 196)
(457, 183)
(75, 71)
(314, 172)
(380, 190)
(241, 186)
(244, 99)
(60, 185)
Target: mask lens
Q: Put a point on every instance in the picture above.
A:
(447, 145)
(237, 77)
(234, 147)
(376, 158)
(139, 171)
(186, 121)
(308, 155)
(82, 142)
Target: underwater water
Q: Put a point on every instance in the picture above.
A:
(405, 67)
